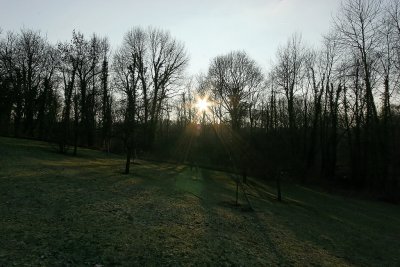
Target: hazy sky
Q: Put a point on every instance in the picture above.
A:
(207, 27)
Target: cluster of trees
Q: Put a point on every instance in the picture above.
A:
(146, 67)
(328, 113)
(55, 92)
(344, 98)
(331, 112)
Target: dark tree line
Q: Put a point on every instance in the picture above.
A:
(28, 97)
(329, 114)
(55, 92)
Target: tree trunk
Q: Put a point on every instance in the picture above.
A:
(128, 159)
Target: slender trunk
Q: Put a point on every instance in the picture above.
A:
(385, 150)
(278, 186)
(332, 156)
(128, 159)
(42, 110)
(76, 124)
(83, 106)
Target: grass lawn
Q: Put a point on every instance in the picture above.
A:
(82, 211)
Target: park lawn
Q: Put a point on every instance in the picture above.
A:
(82, 211)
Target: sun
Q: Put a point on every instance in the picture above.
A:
(202, 104)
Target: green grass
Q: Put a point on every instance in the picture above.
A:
(81, 211)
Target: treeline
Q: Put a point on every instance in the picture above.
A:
(55, 92)
(329, 114)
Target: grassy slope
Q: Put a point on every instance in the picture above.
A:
(64, 210)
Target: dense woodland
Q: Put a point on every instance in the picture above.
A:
(326, 113)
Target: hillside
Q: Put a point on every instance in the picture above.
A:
(63, 210)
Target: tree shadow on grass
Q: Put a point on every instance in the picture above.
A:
(237, 237)
(340, 228)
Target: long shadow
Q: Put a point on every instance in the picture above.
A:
(337, 225)
(228, 225)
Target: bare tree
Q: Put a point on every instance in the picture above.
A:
(148, 65)
(358, 26)
(67, 67)
(31, 50)
(166, 59)
(11, 94)
(393, 18)
(184, 104)
(235, 81)
(88, 60)
(47, 102)
(161, 60)
(126, 80)
(289, 74)
(106, 103)
(327, 86)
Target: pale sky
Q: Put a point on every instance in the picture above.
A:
(208, 28)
